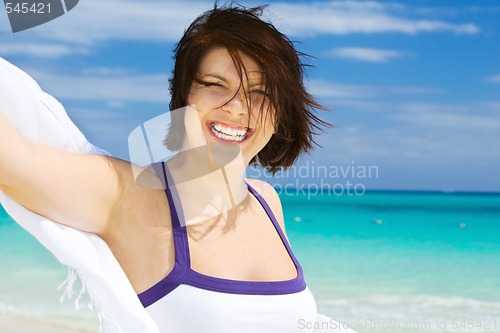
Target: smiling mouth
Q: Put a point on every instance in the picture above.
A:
(228, 133)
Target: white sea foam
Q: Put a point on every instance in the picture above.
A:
(415, 313)
(75, 322)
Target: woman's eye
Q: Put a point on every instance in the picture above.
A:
(210, 84)
(259, 92)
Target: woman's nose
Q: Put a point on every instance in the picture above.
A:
(237, 105)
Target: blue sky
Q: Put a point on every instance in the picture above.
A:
(414, 86)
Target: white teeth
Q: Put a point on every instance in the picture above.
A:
(228, 133)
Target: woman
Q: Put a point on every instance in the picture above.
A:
(231, 270)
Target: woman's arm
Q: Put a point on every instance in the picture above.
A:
(77, 190)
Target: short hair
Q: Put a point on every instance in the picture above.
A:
(239, 29)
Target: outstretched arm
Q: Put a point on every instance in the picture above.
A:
(73, 189)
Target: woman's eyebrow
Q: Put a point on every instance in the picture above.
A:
(217, 76)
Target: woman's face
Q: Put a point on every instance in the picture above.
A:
(228, 108)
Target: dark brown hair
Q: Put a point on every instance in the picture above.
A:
(239, 29)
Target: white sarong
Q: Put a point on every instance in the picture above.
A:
(39, 117)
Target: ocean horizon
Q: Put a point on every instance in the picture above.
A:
(384, 261)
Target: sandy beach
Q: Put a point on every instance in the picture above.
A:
(11, 324)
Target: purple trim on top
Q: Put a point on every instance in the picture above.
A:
(181, 264)
(273, 219)
(240, 287)
(183, 274)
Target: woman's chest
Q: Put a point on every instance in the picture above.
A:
(247, 247)
(244, 246)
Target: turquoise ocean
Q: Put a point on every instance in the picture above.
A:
(377, 262)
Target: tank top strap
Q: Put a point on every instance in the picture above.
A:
(273, 219)
(181, 264)
(176, 215)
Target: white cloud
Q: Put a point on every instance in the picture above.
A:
(473, 117)
(494, 79)
(366, 54)
(107, 85)
(346, 17)
(457, 11)
(321, 88)
(418, 157)
(149, 20)
(327, 89)
(116, 104)
(429, 134)
(421, 145)
(45, 50)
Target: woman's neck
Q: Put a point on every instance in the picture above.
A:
(208, 180)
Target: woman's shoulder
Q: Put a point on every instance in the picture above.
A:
(263, 188)
(141, 201)
(269, 194)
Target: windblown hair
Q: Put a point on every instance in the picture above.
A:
(240, 30)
